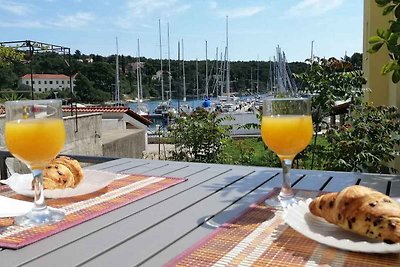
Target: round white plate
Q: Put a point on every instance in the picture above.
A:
(10, 207)
(93, 180)
(300, 219)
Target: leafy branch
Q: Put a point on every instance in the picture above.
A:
(389, 38)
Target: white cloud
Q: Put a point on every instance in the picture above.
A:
(14, 7)
(313, 7)
(212, 5)
(76, 20)
(143, 8)
(138, 11)
(22, 24)
(242, 12)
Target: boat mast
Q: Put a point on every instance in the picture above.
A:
(178, 88)
(258, 74)
(216, 71)
(227, 62)
(251, 80)
(183, 73)
(117, 98)
(271, 84)
(206, 72)
(137, 73)
(169, 68)
(197, 79)
(162, 79)
(223, 72)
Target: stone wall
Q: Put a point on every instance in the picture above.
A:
(83, 138)
(88, 134)
(124, 143)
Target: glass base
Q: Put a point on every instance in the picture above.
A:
(282, 202)
(35, 217)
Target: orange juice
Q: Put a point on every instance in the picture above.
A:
(35, 141)
(286, 135)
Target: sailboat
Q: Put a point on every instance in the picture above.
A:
(207, 101)
(117, 99)
(184, 106)
(283, 77)
(227, 100)
(142, 108)
(164, 107)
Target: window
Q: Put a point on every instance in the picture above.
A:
(39, 82)
(45, 82)
(40, 89)
(33, 82)
(56, 82)
(45, 89)
(27, 82)
(50, 82)
(62, 82)
(67, 82)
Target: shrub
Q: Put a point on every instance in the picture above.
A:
(367, 143)
(198, 137)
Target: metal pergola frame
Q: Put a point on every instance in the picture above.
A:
(30, 47)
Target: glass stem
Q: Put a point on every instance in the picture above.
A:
(39, 202)
(286, 190)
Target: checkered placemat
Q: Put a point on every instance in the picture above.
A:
(260, 237)
(82, 208)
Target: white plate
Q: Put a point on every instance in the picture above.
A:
(10, 207)
(92, 181)
(300, 219)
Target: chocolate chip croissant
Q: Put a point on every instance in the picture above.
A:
(361, 210)
(61, 173)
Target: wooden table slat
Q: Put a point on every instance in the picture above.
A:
(154, 229)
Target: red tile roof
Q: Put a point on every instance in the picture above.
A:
(97, 109)
(46, 76)
(126, 110)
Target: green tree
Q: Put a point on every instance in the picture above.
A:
(329, 81)
(8, 79)
(357, 61)
(366, 143)
(9, 55)
(199, 137)
(389, 37)
(86, 92)
(101, 74)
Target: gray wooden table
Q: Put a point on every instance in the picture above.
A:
(153, 230)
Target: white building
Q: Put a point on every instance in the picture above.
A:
(47, 82)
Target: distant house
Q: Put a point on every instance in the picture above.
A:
(48, 82)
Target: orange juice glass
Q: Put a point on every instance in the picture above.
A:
(286, 128)
(35, 142)
(34, 133)
(287, 135)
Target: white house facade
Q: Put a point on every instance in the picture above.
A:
(48, 82)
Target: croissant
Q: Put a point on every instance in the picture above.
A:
(361, 210)
(73, 165)
(62, 172)
(57, 176)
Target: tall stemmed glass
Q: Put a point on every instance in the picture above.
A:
(35, 134)
(286, 129)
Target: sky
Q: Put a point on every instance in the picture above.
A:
(255, 27)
